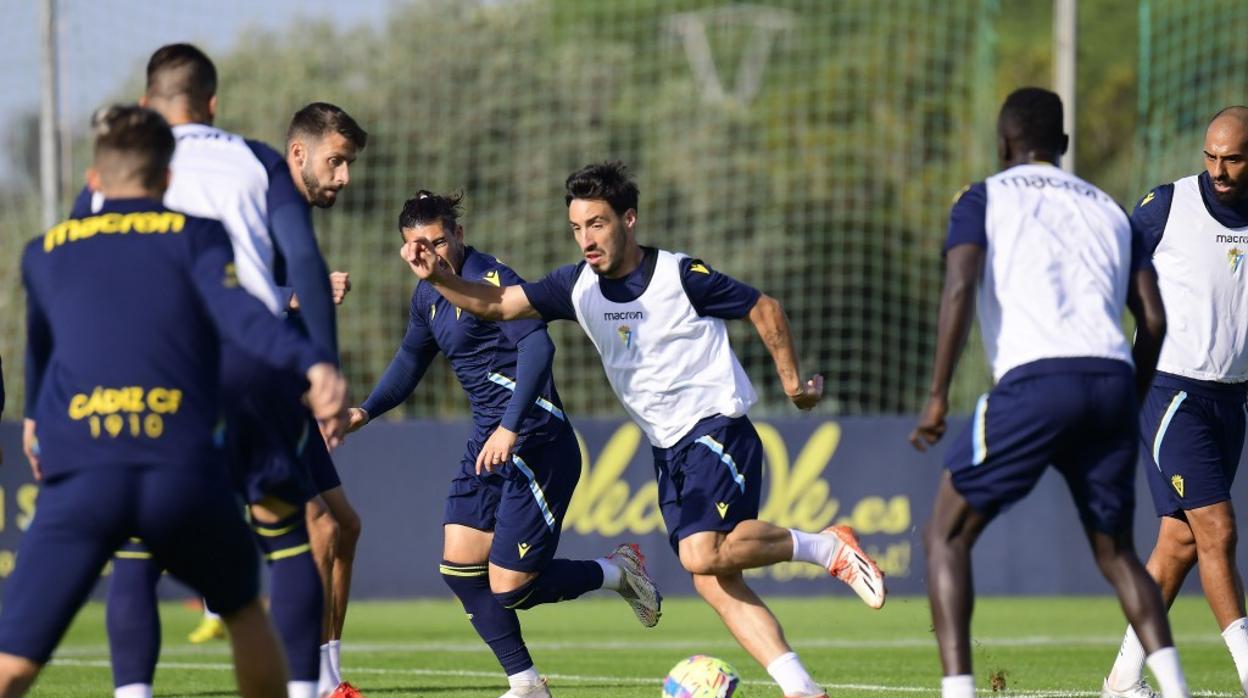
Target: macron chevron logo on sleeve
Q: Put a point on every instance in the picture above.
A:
(1148, 197)
(491, 278)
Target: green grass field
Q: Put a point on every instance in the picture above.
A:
(594, 648)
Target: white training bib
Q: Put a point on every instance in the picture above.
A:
(216, 175)
(669, 366)
(1200, 269)
(1055, 271)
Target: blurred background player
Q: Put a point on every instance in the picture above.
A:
(125, 314)
(1192, 421)
(278, 459)
(501, 526)
(321, 143)
(1054, 260)
(657, 319)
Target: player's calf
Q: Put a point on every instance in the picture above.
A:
(497, 626)
(298, 599)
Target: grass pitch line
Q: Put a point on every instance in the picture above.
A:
(617, 680)
(686, 645)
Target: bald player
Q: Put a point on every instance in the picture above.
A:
(1052, 261)
(1192, 421)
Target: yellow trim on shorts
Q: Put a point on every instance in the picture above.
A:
(132, 555)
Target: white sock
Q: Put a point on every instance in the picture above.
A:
(794, 680)
(1129, 666)
(814, 548)
(301, 689)
(1236, 636)
(335, 661)
(326, 683)
(612, 575)
(209, 614)
(528, 677)
(960, 686)
(1164, 664)
(133, 690)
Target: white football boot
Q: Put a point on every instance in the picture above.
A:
(533, 690)
(1139, 689)
(639, 590)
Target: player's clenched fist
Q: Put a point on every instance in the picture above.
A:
(327, 398)
(809, 394)
(421, 258)
(339, 285)
(931, 426)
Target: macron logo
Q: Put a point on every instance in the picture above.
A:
(629, 315)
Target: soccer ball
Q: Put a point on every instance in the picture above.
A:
(701, 676)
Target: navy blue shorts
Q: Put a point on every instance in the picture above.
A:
(523, 502)
(711, 480)
(273, 445)
(191, 521)
(1078, 415)
(1193, 432)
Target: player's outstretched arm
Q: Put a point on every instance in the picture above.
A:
(1144, 300)
(401, 377)
(957, 304)
(481, 299)
(773, 327)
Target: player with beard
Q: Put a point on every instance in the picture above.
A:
(1192, 421)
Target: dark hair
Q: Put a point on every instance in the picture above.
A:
(177, 70)
(427, 207)
(132, 144)
(1033, 116)
(320, 118)
(606, 181)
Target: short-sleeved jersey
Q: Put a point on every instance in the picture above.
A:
(483, 353)
(125, 314)
(1058, 257)
(1198, 246)
(661, 335)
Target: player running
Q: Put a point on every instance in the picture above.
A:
(1054, 259)
(506, 504)
(279, 461)
(657, 319)
(124, 313)
(1192, 421)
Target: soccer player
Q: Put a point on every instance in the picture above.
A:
(124, 317)
(1054, 260)
(321, 143)
(501, 526)
(247, 185)
(657, 319)
(1192, 421)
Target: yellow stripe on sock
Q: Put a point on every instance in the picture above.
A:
(275, 532)
(453, 572)
(132, 555)
(287, 552)
(526, 598)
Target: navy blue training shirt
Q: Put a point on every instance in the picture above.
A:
(503, 367)
(126, 310)
(711, 293)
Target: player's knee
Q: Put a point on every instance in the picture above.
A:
(504, 581)
(16, 674)
(1216, 535)
(699, 561)
(520, 598)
